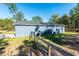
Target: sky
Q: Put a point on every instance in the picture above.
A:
(44, 10)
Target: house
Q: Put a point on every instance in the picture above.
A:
(24, 28)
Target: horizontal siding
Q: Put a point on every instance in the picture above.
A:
(25, 30)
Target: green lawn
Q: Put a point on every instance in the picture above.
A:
(70, 33)
(61, 38)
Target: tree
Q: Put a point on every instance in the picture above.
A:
(19, 16)
(75, 10)
(6, 24)
(1, 23)
(25, 19)
(13, 9)
(55, 19)
(65, 19)
(74, 13)
(37, 19)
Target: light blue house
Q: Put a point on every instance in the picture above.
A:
(25, 28)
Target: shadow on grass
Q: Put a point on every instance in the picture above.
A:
(3, 45)
(23, 50)
(39, 50)
(36, 48)
(66, 40)
(57, 38)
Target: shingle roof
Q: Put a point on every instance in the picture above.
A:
(30, 23)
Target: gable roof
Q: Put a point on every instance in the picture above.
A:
(30, 23)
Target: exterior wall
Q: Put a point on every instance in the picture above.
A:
(42, 28)
(25, 30)
(60, 28)
(63, 29)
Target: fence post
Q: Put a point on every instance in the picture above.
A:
(49, 50)
(30, 52)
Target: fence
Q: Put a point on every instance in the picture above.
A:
(48, 48)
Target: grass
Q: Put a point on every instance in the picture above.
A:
(61, 38)
(70, 33)
(3, 43)
(14, 41)
(66, 39)
(54, 37)
(7, 32)
(71, 51)
(15, 45)
(17, 39)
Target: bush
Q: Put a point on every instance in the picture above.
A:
(47, 32)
